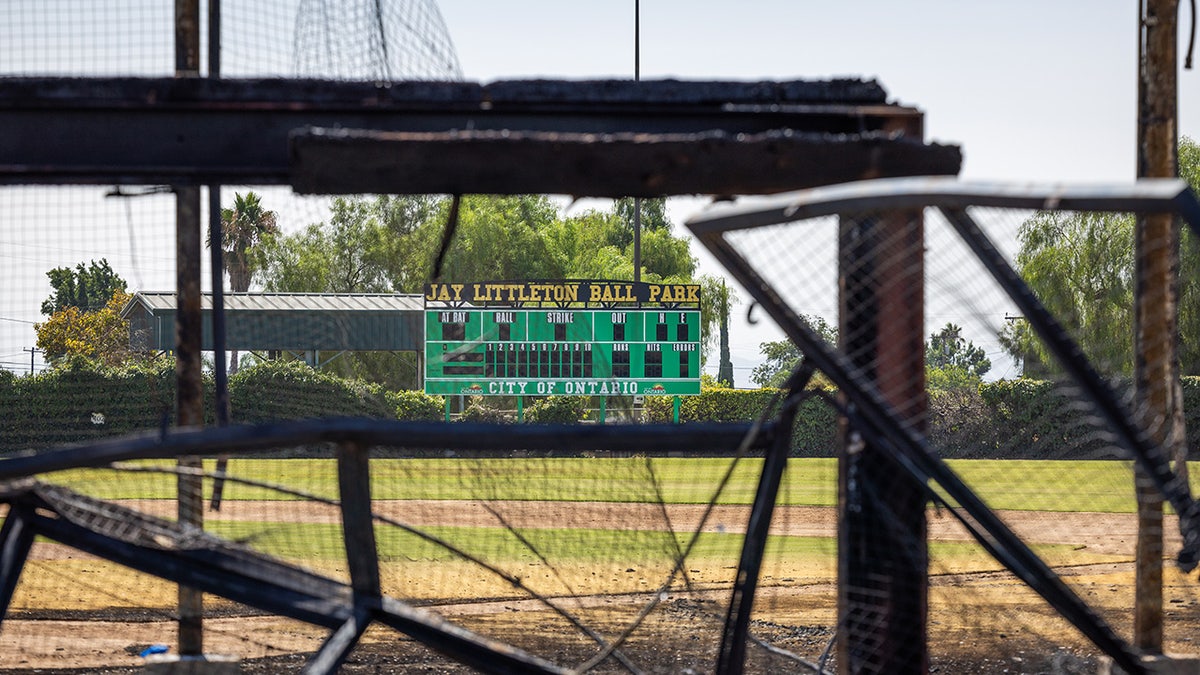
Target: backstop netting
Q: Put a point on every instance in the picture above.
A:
(613, 559)
(999, 407)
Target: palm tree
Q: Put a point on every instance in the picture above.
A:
(243, 226)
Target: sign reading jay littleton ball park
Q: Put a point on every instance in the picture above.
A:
(577, 338)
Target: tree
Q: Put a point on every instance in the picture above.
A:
(389, 244)
(783, 357)
(87, 288)
(716, 302)
(654, 218)
(952, 361)
(101, 334)
(243, 227)
(1081, 266)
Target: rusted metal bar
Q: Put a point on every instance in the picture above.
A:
(553, 439)
(237, 131)
(731, 657)
(1156, 359)
(189, 394)
(189, 385)
(358, 525)
(882, 548)
(16, 539)
(335, 649)
(256, 580)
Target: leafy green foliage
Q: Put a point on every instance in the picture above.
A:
(101, 334)
(478, 410)
(1081, 265)
(782, 357)
(88, 288)
(557, 410)
(816, 421)
(81, 399)
(415, 406)
(276, 390)
(243, 227)
(952, 361)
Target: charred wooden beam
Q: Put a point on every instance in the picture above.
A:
(340, 161)
(195, 130)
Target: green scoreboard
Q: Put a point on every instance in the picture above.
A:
(583, 338)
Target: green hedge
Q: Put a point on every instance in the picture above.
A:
(280, 390)
(815, 433)
(79, 401)
(416, 406)
(82, 401)
(557, 410)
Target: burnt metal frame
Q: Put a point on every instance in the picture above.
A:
(260, 581)
(874, 417)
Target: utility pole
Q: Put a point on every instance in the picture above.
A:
(1156, 249)
(637, 201)
(189, 397)
(32, 351)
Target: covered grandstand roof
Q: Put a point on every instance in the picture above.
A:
(287, 321)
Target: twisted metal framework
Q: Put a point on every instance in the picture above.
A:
(881, 424)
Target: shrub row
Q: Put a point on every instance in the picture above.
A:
(1025, 419)
(81, 401)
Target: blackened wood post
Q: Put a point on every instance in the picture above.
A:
(882, 549)
(1156, 251)
(189, 395)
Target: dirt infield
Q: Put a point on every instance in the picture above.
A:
(1107, 533)
(108, 644)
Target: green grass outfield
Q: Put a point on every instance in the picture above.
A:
(317, 542)
(1051, 485)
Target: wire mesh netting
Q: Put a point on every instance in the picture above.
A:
(1037, 449)
(613, 560)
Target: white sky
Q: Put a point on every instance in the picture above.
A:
(1031, 91)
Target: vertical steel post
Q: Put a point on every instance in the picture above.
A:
(189, 397)
(637, 201)
(216, 250)
(882, 548)
(1156, 247)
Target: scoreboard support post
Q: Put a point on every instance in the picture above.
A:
(675, 409)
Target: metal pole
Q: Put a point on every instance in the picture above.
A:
(189, 398)
(637, 201)
(1156, 249)
(882, 548)
(216, 245)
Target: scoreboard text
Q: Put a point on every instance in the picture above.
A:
(620, 350)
